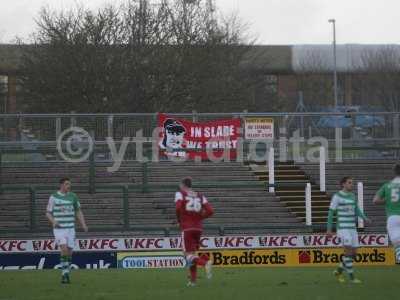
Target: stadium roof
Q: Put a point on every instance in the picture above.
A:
(350, 57)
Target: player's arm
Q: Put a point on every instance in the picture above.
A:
(79, 215)
(178, 205)
(178, 208)
(53, 222)
(81, 219)
(49, 213)
(380, 196)
(361, 214)
(332, 210)
(207, 210)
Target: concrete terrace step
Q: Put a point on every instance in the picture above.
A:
(232, 209)
(354, 173)
(222, 181)
(198, 169)
(284, 193)
(217, 204)
(302, 197)
(228, 214)
(288, 182)
(299, 202)
(284, 177)
(235, 205)
(277, 168)
(322, 208)
(260, 198)
(286, 170)
(209, 193)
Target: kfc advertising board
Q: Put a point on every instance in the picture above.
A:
(175, 243)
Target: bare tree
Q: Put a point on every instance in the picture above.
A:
(75, 61)
(379, 77)
(140, 56)
(314, 80)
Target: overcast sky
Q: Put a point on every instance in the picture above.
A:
(273, 21)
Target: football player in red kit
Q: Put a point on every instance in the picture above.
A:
(191, 209)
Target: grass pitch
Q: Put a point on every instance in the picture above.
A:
(244, 284)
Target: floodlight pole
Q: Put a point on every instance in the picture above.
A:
(335, 87)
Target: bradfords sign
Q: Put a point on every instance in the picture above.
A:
(175, 243)
(381, 256)
(330, 257)
(254, 258)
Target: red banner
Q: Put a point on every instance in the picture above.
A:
(206, 140)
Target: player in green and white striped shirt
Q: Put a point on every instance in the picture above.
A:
(344, 205)
(389, 195)
(62, 210)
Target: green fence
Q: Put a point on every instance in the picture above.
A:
(124, 190)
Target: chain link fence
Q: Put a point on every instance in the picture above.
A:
(33, 137)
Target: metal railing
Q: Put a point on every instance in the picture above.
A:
(33, 137)
(88, 170)
(47, 127)
(124, 190)
(39, 152)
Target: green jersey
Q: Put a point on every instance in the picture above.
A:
(390, 192)
(344, 204)
(63, 208)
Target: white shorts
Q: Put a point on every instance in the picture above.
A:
(65, 237)
(348, 237)
(393, 228)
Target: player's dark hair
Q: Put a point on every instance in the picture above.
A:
(397, 169)
(187, 181)
(64, 179)
(344, 180)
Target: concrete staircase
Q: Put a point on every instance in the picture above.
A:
(373, 173)
(290, 184)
